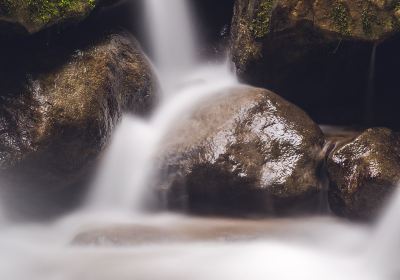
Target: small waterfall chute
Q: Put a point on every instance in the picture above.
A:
(122, 181)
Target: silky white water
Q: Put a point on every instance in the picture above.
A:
(128, 162)
(172, 37)
(121, 241)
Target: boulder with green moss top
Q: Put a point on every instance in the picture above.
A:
(364, 171)
(247, 151)
(35, 15)
(59, 106)
(317, 48)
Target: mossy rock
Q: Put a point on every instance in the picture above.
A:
(254, 20)
(310, 52)
(35, 15)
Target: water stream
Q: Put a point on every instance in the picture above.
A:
(173, 40)
(369, 99)
(112, 237)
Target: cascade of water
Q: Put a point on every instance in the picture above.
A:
(172, 38)
(384, 250)
(369, 98)
(323, 249)
(123, 177)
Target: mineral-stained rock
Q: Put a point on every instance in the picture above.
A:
(363, 173)
(247, 151)
(58, 108)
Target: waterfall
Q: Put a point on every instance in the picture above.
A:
(276, 249)
(123, 176)
(172, 37)
(369, 98)
(384, 248)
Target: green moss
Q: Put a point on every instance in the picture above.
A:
(46, 10)
(260, 26)
(340, 18)
(368, 18)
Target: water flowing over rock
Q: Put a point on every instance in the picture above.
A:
(321, 49)
(35, 15)
(363, 172)
(58, 108)
(246, 151)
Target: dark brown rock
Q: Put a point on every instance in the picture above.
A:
(247, 151)
(58, 109)
(363, 173)
(313, 51)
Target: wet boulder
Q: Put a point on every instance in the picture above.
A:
(363, 172)
(313, 51)
(245, 152)
(35, 15)
(58, 107)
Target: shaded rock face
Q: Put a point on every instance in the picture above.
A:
(34, 15)
(58, 108)
(363, 172)
(247, 151)
(214, 21)
(313, 51)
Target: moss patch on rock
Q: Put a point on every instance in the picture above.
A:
(327, 20)
(260, 25)
(35, 15)
(367, 20)
(340, 18)
(47, 10)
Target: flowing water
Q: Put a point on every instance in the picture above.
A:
(369, 100)
(112, 237)
(172, 37)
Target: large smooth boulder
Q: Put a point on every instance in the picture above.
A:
(313, 51)
(35, 15)
(246, 151)
(59, 106)
(363, 172)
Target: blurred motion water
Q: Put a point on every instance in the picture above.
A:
(112, 236)
(172, 37)
(129, 160)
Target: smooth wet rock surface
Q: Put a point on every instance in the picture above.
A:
(58, 109)
(247, 151)
(364, 172)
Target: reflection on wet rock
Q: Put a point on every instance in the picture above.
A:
(363, 172)
(247, 151)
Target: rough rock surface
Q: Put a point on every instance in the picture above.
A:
(257, 19)
(312, 51)
(58, 108)
(35, 15)
(247, 151)
(363, 172)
